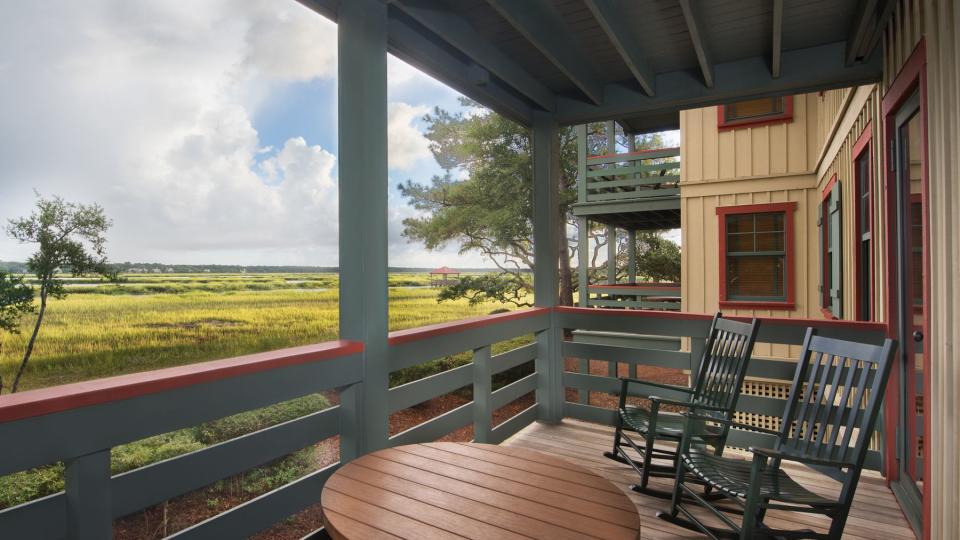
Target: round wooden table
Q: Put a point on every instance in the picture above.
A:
(466, 490)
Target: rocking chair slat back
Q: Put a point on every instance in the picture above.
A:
(726, 353)
(833, 406)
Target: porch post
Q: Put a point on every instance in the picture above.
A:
(583, 224)
(611, 255)
(546, 244)
(632, 256)
(583, 266)
(362, 142)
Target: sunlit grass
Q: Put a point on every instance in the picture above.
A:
(94, 334)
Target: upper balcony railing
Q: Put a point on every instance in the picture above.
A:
(634, 175)
(80, 423)
(660, 296)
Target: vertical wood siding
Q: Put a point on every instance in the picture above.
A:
(941, 21)
(749, 152)
(842, 165)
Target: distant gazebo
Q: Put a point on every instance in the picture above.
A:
(444, 276)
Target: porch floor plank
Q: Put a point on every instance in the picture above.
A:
(875, 513)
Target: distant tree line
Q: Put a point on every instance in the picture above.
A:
(13, 267)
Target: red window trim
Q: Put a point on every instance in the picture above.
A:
(788, 208)
(864, 144)
(786, 116)
(824, 219)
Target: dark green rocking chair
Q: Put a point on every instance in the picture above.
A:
(834, 402)
(726, 353)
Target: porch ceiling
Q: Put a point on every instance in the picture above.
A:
(638, 62)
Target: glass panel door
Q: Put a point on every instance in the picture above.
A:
(912, 283)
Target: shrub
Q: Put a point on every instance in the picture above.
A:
(138, 454)
(280, 472)
(24, 486)
(248, 422)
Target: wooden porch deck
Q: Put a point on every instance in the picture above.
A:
(875, 513)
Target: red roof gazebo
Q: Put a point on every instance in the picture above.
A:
(444, 276)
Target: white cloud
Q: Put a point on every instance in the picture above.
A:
(147, 108)
(406, 144)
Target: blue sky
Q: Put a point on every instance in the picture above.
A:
(205, 128)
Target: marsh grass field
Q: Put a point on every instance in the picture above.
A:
(160, 320)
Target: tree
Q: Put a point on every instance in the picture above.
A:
(484, 201)
(16, 300)
(70, 236)
(658, 257)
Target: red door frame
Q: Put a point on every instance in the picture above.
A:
(912, 76)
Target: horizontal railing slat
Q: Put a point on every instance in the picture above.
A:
(513, 391)
(41, 519)
(262, 512)
(420, 390)
(513, 358)
(649, 357)
(633, 194)
(418, 351)
(158, 482)
(513, 425)
(633, 156)
(45, 439)
(140, 488)
(435, 428)
(599, 383)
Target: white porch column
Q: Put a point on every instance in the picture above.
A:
(362, 109)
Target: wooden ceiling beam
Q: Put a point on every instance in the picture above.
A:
(691, 14)
(611, 21)
(460, 34)
(777, 52)
(540, 24)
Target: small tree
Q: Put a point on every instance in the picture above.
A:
(70, 236)
(16, 300)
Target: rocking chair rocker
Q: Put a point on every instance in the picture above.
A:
(834, 402)
(723, 366)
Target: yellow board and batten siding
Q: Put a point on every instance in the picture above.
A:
(749, 165)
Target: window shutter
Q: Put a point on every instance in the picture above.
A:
(836, 272)
(821, 251)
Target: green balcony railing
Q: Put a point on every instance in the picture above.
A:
(635, 175)
(79, 424)
(659, 296)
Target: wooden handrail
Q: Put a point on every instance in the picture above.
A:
(629, 286)
(400, 337)
(71, 396)
(680, 315)
(628, 155)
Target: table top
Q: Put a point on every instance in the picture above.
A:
(466, 490)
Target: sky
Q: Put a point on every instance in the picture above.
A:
(207, 129)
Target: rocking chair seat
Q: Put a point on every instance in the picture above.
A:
(732, 476)
(669, 425)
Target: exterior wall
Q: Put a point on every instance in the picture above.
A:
(710, 155)
(945, 259)
(794, 162)
(859, 111)
(750, 165)
(941, 21)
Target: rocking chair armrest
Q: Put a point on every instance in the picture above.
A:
(732, 423)
(770, 453)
